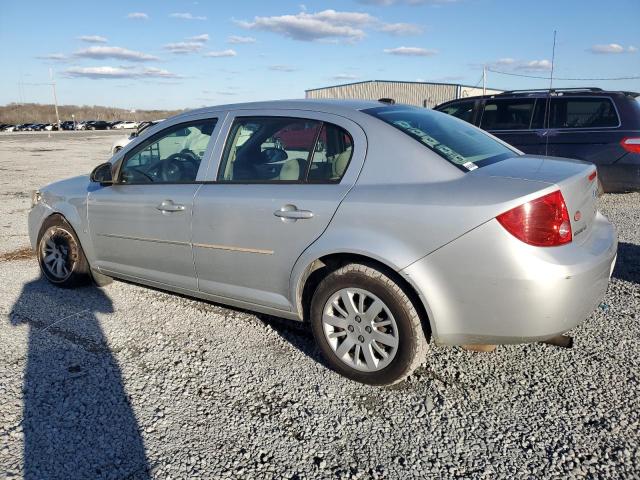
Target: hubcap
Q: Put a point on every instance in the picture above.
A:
(360, 329)
(57, 253)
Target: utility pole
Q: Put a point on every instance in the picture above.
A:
(484, 80)
(55, 97)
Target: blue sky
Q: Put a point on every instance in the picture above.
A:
(184, 54)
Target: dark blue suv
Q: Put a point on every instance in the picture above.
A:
(602, 127)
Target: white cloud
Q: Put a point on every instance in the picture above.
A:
(411, 51)
(53, 56)
(199, 38)
(186, 16)
(221, 53)
(138, 16)
(328, 24)
(239, 39)
(114, 52)
(612, 48)
(401, 29)
(183, 47)
(118, 72)
(282, 68)
(535, 66)
(92, 39)
(344, 76)
(504, 62)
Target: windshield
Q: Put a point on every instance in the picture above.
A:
(454, 140)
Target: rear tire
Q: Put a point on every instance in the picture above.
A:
(366, 326)
(60, 255)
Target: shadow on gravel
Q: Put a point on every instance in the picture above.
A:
(628, 263)
(296, 333)
(77, 419)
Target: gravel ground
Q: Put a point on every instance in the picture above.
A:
(128, 382)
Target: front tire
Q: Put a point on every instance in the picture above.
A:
(366, 326)
(60, 255)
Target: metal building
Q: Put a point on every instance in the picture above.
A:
(423, 94)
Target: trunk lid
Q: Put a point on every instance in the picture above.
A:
(576, 179)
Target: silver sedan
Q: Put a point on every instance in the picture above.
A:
(383, 226)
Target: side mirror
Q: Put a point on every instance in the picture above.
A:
(102, 174)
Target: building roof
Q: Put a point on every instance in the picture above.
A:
(397, 81)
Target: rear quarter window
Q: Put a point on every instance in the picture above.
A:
(583, 113)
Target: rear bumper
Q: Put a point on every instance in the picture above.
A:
(489, 287)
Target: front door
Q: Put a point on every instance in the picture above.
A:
(141, 225)
(280, 180)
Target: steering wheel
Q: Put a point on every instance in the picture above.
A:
(173, 168)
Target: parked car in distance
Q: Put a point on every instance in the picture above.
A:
(121, 142)
(97, 125)
(405, 225)
(68, 125)
(126, 125)
(599, 126)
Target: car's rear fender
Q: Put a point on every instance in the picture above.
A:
(398, 224)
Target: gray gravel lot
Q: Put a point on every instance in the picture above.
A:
(128, 382)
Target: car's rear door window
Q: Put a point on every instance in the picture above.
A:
(331, 156)
(583, 112)
(461, 144)
(462, 110)
(508, 114)
(283, 149)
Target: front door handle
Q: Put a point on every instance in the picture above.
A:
(291, 212)
(169, 206)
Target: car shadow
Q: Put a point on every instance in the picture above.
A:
(298, 334)
(628, 263)
(77, 419)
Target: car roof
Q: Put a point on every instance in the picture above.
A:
(564, 92)
(336, 106)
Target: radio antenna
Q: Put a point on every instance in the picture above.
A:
(547, 108)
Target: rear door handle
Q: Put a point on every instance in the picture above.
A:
(169, 206)
(291, 212)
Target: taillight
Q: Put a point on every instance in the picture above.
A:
(631, 144)
(592, 176)
(543, 222)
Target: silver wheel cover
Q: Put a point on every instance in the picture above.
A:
(360, 329)
(57, 253)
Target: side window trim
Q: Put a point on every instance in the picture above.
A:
(152, 139)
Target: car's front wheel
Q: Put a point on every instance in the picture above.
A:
(366, 326)
(60, 255)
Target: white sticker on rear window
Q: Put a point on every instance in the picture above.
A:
(470, 166)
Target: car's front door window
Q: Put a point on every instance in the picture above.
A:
(171, 156)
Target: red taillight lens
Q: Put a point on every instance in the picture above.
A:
(543, 222)
(631, 144)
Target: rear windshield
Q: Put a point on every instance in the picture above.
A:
(456, 141)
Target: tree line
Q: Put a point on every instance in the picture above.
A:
(15, 113)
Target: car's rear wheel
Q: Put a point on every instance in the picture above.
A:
(60, 255)
(366, 326)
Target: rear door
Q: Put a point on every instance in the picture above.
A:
(271, 197)
(517, 121)
(584, 128)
